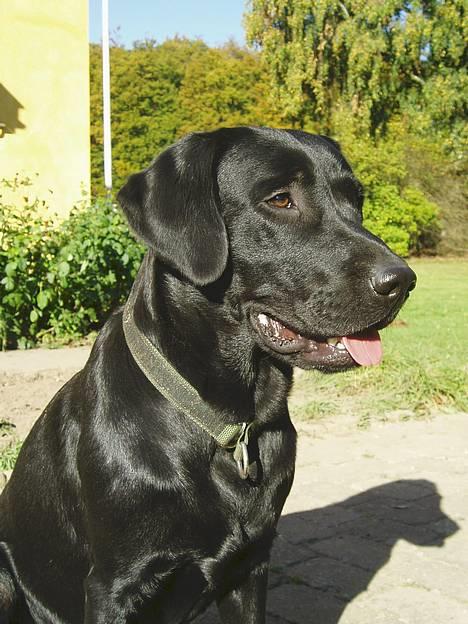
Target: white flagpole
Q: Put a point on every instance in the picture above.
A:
(106, 97)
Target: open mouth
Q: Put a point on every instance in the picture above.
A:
(363, 348)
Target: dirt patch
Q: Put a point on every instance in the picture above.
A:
(28, 380)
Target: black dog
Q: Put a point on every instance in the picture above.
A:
(122, 508)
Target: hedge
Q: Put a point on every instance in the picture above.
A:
(61, 280)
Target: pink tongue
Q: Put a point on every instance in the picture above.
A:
(364, 348)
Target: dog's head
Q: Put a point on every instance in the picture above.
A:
(282, 210)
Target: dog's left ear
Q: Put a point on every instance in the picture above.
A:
(173, 207)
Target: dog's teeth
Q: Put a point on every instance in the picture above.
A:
(263, 319)
(277, 327)
(336, 342)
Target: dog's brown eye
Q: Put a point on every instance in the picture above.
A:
(281, 200)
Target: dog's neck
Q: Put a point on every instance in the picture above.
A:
(202, 336)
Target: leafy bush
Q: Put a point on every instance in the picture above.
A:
(406, 221)
(394, 209)
(61, 280)
(445, 183)
(92, 272)
(161, 91)
(28, 243)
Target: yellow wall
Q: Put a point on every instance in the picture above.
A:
(44, 97)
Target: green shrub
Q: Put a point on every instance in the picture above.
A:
(61, 279)
(394, 209)
(92, 272)
(28, 244)
(405, 219)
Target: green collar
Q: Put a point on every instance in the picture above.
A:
(180, 393)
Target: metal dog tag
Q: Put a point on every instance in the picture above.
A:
(242, 459)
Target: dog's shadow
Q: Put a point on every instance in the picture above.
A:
(324, 558)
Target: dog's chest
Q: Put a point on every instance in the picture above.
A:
(248, 510)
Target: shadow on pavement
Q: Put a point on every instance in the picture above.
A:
(325, 557)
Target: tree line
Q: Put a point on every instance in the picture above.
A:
(386, 78)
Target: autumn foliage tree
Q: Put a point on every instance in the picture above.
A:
(377, 57)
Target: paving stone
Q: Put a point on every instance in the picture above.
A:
(329, 575)
(300, 604)
(354, 550)
(310, 526)
(412, 566)
(295, 529)
(388, 531)
(411, 513)
(285, 553)
(409, 605)
(400, 556)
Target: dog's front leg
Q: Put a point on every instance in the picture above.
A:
(247, 602)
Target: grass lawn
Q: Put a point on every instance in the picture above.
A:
(8, 456)
(425, 362)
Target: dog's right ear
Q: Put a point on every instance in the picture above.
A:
(173, 208)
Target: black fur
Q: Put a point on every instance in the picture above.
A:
(119, 508)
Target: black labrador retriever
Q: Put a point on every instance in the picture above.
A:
(124, 506)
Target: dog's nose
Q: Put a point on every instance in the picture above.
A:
(394, 281)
